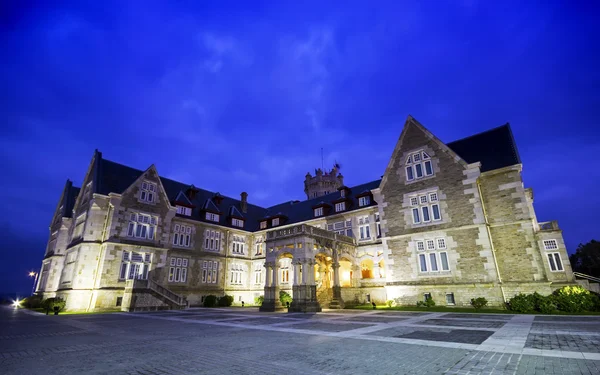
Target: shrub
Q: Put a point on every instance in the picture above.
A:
(225, 301)
(428, 303)
(573, 299)
(210, 301)
(32, 302)
(259, 300)
(479, 303)
(546, 305)
(284, 297)
(50, 303)
(521, 303)
(390, 303)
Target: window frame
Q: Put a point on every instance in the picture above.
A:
(553, 244)
(552, 259)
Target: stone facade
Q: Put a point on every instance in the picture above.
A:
(435, 225)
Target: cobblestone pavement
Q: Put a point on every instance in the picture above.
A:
(245, 341)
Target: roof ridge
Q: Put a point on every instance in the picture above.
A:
(480, 133)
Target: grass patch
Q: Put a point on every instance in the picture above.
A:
(447, 309)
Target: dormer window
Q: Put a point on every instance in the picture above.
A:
(343, 193)
(275, 222)
(340, 206)
(212, 217)
(418, 165)
(318, 211)
(237, 223)
(263, 225)
(364, 201)
(184, 210)
(147, 192)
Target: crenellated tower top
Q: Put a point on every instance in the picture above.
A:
(323, 183)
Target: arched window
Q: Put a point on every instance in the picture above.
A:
(418, 165)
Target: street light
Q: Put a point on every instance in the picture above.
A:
(35, 276)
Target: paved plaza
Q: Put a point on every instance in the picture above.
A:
(245, 341)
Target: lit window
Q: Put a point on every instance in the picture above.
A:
(418, 165)
(263, 225)
(275, 222)
(212, 239)
(237, 274)
(178, 270)
(212, 217)
(432, 261)
(259, 245)
(550, 245)
(134, 265)
(147, 192)
(555, 262)
(182, 235)
(364, 201)
(141, 226)
(429, 209)
(237, 223)
(364, 228)
(237, 245)
(318, 211)
(258, 272)
(184, 210)
(340, 206)
(210, 272)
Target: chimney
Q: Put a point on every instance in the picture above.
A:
(244, 203)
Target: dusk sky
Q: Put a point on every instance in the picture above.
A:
(242, 96)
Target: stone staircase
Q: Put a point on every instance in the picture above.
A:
(324, 296)
(148, 295)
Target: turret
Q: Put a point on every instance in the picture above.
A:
(323, 183)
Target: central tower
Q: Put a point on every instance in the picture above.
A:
(323, 182)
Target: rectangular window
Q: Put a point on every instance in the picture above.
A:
(212, 239)
(209, 272)
(423, 262)
(142, 226)
(444, 261)
(441, 243)
(212, 217)
(340, 206)
(378, 225)
(318, 211)
(263, 225)
(433, 197)
(258, 274)
(135, 265)
(450, 299)
(364, 201)
(416, 218)
(435, 209)
(426, 296)
(423, 199)
(550, 245)
(425, 214)
(79, 225)
(184, 210)
(420, 246)
(418, 165)
(419, 170)
(430, 245)
(555, 262)
(433, 262)
(364, 228)
(414, 201)
(275, 222)
(237, 223)
(182, 235)
(237, 245)
(428, 168)
(148, 191)
(409, 174)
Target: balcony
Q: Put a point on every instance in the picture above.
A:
(303, 229)
(548, 226)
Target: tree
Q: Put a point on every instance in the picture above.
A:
(587, 258)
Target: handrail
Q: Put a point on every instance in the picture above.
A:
(153, 285)
(584, 276)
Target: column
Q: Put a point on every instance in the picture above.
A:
(304, 273)
(336, 274)
(311, 271)
(296, 264)
(268, 274)
(276, 273)
(376, 274)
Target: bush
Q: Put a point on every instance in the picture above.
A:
(210, 301)
(479, 303)
(225, 301)
(259, 300)
(390, 303)
(428, 303)
(284, 297)
(32, 302)
(50, 303)
(573, 299)
(522, 303)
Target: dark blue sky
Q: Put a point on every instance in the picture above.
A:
(242, 96)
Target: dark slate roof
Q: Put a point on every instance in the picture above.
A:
(494, 148)
(72, 193)
(302, 211)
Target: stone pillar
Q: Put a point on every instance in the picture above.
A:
(376, 274)
(271, 301)
(297, 275)
(336, 302)
(305, 294)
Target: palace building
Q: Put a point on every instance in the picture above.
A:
(448, 221)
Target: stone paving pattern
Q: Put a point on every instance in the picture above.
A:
(244, 341)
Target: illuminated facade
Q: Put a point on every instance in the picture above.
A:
(447, 221)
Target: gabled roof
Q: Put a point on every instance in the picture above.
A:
(182, 198)
(209, 205)
(233, 211)
(494, 148)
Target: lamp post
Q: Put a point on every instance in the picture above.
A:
(35, 276)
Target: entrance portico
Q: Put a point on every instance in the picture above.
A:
(306, 245)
